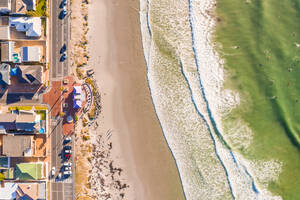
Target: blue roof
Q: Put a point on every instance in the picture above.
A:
(14, 71)
(25, 53)
(76, 105)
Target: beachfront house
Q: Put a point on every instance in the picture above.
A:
(19, 123)
(23, 191)
(31, 54)
(7, 51)
(23, 145)
(31, 26)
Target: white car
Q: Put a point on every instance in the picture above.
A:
(68, 151)
(67, 172)
(64, 10)
(67, 168)
(67, 164)
(68, 139)
(53, 171)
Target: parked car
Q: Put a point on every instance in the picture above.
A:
(68, 147)
(63, 57)
(67, 139)
(59, 176)
(68, 156)
(68, 151)
(68, 169)
(64, 2)
(53, 171)
(67, 172)
(63, 49)
(67, 164)
(64, 11)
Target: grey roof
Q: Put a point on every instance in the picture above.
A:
(23, 122)
(5, 74)
(4, 3)
(8, 117)
(7, 49)
(31, 74)
(16, 145)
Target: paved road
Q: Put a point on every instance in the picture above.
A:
(59, 37)
(59, 189)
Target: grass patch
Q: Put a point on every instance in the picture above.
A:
(40, 107)
(42, 113)
(41, 9)
(264, 68)
(20, 107)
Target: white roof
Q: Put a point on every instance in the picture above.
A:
(31, 25)
(8, 191)
(31, 54)
(77, 90)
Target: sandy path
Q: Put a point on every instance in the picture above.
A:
(138, 143)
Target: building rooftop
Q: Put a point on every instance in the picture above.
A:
(4, 74)
(31, 74)
(32, 26)
(28, 171)
(7, 49)
(23, 191)
(22, 6)
(31, 54)
(5, 3)
(21, 122)
(8, 192)
(17, 145)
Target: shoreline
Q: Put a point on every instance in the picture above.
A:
(127, 106)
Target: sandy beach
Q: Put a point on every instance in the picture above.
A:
(139, 147)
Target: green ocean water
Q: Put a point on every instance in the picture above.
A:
(258, 41)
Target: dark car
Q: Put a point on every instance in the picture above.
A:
(63, 49)
(67, 147)
(63, 57)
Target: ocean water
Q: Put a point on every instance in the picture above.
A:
(186, 78)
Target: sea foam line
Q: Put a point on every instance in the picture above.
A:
(211, 118)
(208, 127)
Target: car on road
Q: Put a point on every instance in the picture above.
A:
(63, 49)
(68, 156)
(68, 147)
(67, 172)
(59, 176)
(63, 57)
(67, 140)
(67, 164)
(68, 169)
(64, 10)
(68, 151)
(63, 3)
(63, 13)
(53, 171)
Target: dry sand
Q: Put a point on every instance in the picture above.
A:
(139, 147)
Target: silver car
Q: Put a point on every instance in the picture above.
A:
(67, 172)
(67, 164)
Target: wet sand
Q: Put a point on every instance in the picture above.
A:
(138, 144)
